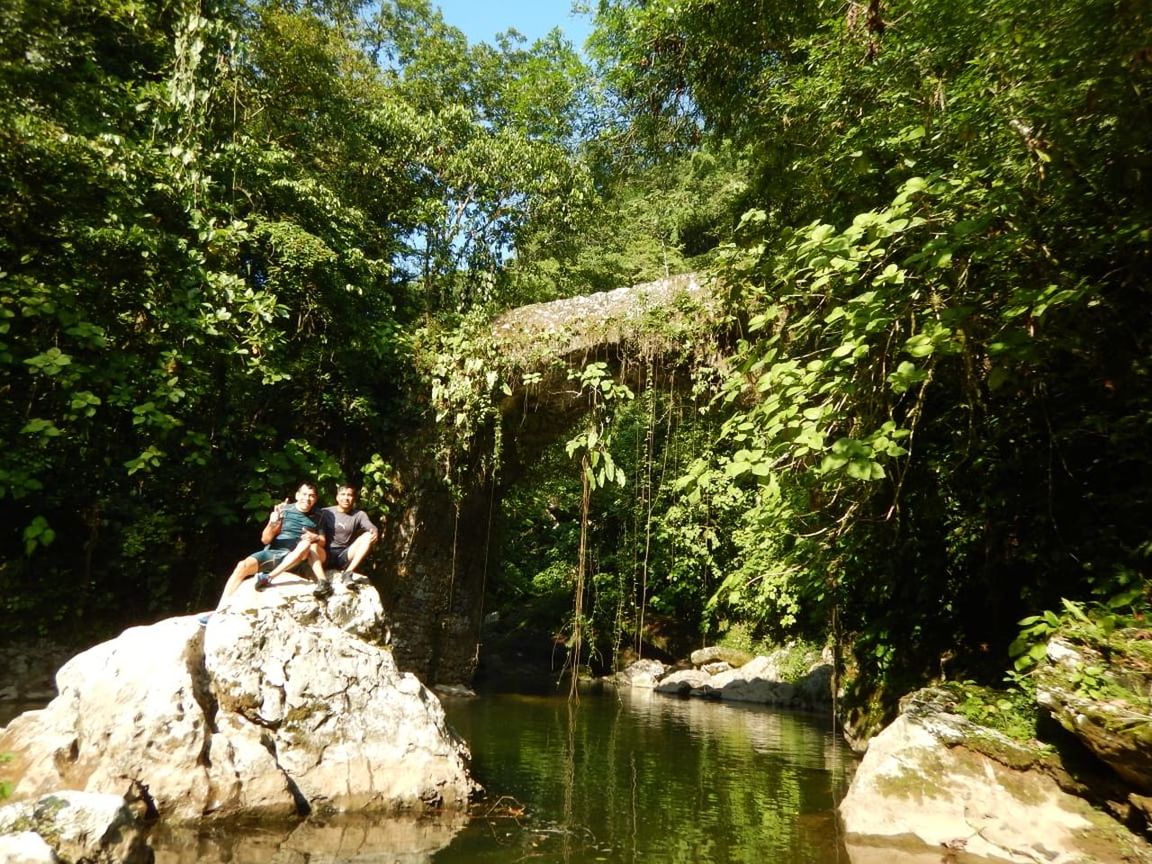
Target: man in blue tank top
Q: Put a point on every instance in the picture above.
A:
(291, 537)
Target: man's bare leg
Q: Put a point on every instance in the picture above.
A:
(244, 569)
(316, 562)
(358, 551)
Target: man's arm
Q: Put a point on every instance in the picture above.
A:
(315, 535)
(364, 525)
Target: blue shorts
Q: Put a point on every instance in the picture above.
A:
(267, 559)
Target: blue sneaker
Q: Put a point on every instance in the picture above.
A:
(203, 619)
(262, 581)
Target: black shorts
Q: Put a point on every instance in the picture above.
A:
(337, 558)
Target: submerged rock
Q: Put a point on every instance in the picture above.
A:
(345, 838)
(281, 705)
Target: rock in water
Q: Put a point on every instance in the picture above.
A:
(928, 777)
(281, 705)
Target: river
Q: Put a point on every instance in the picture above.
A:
(622, 777)
(637, 776)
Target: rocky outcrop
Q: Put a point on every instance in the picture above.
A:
(734, 657)
(643, 674)
(1103, 701)
(281, 705)
(765, 680)
(431, 576)
(683, 682)
(935, 778)
(589, 323)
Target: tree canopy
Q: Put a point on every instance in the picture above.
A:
(238, 229)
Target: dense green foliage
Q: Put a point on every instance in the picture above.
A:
(240, 233)
(936, 239)
(225, 221)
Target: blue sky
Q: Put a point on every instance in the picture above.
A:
(481, 20)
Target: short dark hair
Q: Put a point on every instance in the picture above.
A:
(310, 485)
(349, 486)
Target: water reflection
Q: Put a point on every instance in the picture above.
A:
(346, 838)
(642, 776)
(620, 778)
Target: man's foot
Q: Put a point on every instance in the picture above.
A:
(263, 580)
(202, 620)
(323, 590)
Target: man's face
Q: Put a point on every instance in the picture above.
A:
(305, 498)
(346, 499)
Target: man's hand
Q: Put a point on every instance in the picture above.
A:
(277, 514)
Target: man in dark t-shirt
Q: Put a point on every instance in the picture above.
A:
(291, 537)
(348, 532)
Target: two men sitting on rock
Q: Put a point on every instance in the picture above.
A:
(299, 534)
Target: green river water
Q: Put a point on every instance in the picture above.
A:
(637, 776)
(621, 777)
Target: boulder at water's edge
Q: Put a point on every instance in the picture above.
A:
(281, 705)
(929, 778)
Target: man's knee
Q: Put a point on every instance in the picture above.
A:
(246, 566)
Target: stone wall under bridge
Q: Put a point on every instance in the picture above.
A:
(435, 552)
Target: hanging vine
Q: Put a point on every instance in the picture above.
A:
(591, 447)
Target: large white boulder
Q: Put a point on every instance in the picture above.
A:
(280, 705)
(26, 847)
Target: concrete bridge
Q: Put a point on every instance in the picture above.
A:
(436, 554)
